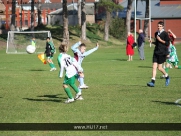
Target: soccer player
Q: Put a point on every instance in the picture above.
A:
(50, 50)
(172, 59)
(71, 67)
(79, 50)
(160, 53)
(172, 36)
(33, 42)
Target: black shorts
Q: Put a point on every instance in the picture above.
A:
(49, 55)
(159, 58)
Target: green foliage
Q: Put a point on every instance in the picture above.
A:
(117, 28)
(92, 27)
(109, 5)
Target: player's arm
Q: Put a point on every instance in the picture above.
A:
(75, 46)
(61, 70)
(174, 36)
(91, 50)
(61, 66)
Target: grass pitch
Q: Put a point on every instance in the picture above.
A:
(30, 93)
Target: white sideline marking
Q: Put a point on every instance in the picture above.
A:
(177, 103)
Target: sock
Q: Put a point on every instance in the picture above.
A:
(50, 64)
(153, 80)
(179, 67)
(53, 65)
(166, 70)
(81, 80)
(80, 90)
(68, 92)
(74, 87)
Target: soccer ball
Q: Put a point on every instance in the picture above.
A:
(30, 49)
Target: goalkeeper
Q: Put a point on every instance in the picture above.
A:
(50, 50)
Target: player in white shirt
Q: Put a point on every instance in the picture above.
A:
(70, 65)
(79, 50)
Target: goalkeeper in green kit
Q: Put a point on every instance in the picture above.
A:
(50, 50)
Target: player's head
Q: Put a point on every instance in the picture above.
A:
(160, 25)
(63, 47)
(82, 48)
(48, 39)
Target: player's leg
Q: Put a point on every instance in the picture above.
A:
(176, 65)
(50, 62)
(66, 82)
(81, 81)
(154, 68)
(162, 59)
(74, 87)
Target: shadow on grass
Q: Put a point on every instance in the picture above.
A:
(119, 60)
(168, 103)
(37, 70)
(144, 66)
(49, 98)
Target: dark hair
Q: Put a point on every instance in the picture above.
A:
(82, 44)
(161, 23)
(63, 47)
(171, 39)
(48, 38)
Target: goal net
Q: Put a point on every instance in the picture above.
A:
(18, 41)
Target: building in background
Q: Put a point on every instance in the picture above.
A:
(168, 11)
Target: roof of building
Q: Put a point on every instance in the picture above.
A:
(47, 6)
(157, 10)
(72, 9)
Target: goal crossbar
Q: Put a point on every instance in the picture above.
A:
(18, 41)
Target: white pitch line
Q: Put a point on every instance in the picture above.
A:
(177, 103)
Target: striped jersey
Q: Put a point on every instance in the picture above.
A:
(69, 64)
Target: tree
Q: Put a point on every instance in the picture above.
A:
(128, 15)
(79, 12)
(32, 15)
(146, 22)
(65, 23)
(83, 20)
(13, 17)
(39, 12)
(109, 6)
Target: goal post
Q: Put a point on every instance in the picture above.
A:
(18, 41)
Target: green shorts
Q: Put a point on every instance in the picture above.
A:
(69, 81)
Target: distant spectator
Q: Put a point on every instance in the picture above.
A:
(129, 48)
(141, 43)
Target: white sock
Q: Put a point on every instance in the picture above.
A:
(81, 80)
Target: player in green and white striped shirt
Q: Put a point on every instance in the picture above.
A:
(70, 65)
